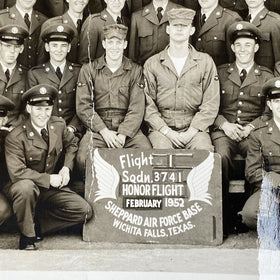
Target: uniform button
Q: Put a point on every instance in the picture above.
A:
(199, 39)
(30, 158)
(240, 102)
(29, 47)
(241, 93)
(29, 56)
(59, 101)
(6, 90)
(59, 92)
(48, 156)
(59, 109)
(270, 153)
(259, 94)
(47, 164)
(29, 37)
(223, 92)
(215, 38)
(238, 119)
(239, 112)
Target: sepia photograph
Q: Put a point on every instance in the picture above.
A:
(140, 139)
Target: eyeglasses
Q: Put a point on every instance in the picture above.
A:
(10, 46)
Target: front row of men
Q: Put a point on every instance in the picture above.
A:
(182, 102)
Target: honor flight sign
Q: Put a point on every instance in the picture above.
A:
(154, 196)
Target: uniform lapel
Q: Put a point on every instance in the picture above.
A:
(33, 135)
(260, 16)
(52, 137)
(165, 17)
(67, 19)
(275, 132)
(233, 74)
(212, 20)
(51, 75)
(35, 23)
(150, 14)
(16, 76)
(2, 75)
(16, 16)
(67, 75)
(251, 77)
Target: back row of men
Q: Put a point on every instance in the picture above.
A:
(147, 25)
(182, 90)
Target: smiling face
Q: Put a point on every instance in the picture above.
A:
(115, 6)
(244, 49)
(26, 5)
(255, 4)
(58, 51)
(114, 48)
(77, 6)
(39, 115)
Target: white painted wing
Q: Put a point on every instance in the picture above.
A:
(199, 178)
(107, 176)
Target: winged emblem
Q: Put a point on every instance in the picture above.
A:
(107, 176)
(199, 178)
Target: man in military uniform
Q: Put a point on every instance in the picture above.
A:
(12, 74)
(23, 14)
(238, 6)
(110, 98)
(182, 90)
(242, 102)
(5, 209)
(59, 73)
(148, 30)
(269, 25)
(32, 152)
(262, 168)
(92, 30)
(211, 24)
(73, 17)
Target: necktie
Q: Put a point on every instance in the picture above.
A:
(58, 73)
(202, 19)
(248, 18)
(27, 20)
(45, 135)
(119, 20)
(243, 75)
(159, 14)
(79, 25)
(7, 74)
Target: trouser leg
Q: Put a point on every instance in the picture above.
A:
(5, 209)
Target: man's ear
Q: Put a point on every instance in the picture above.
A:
(167, 29)
(28, 108)
(192, 30)
(47, 47)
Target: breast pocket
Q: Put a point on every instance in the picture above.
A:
(33, 160)
(216, 44)
(124, 96)
(146, 39)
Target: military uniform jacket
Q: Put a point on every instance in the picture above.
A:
(240, 103)
(263, 157)
(273, 5)
(30, 53)
(92, 35)
(29, 157)
(14, 89)
(75, 43)
(269, 26)
(191, 99)
(147, 35)
(212, 36)
(113, 98)
(65, 103)
(238, 6)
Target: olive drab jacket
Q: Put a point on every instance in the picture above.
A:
(191, 99)
(29, 56)
(29, 157)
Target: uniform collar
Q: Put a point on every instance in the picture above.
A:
(253, 15)
(209, 12)
(101, 63)
(22, 13)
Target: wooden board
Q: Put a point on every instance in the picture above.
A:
(154, 196)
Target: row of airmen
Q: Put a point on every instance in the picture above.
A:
(109, 97)
(147, 25)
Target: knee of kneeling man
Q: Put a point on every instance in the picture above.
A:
(88, 212)
(5, 213)
(26, 188)
(249, 218)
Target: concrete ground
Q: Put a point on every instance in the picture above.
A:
(66, 256)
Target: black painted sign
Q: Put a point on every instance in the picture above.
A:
(154, 196)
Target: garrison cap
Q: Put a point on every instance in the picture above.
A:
(5, 105)
(57, 31)
(182, 16)
(115, 30)
(40, 95)
(243, 29)
(271, 88)
(13, 34)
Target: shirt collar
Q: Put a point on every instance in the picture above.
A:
(113, 16)
(38, 129)
(23, 12)
(74, 19)
(10, 68)
(163, 7)
(61, 66)
(241, 68)
(253, 15)
(209, 12)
